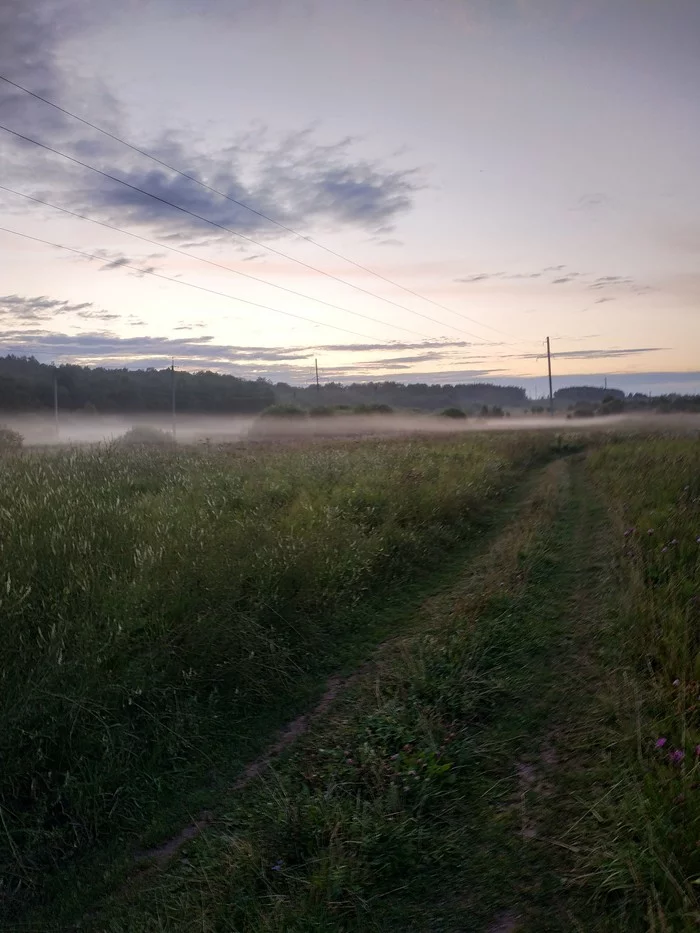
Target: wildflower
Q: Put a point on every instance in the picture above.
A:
(674, 541)
(661, 742)
(663, 550)
(650, 531)
(677, 756)
(676, 682)
(697, 751)
(278, 865)
(630, 531)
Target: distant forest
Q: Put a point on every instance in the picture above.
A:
(26, 385)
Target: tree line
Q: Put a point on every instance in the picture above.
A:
(28, 385)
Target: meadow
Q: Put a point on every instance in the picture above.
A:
(648, 853)
(517, 747)
(164, 610)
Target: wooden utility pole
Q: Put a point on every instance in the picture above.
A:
(318, 384)
(172, 371)
(55, 402)
(549, 370)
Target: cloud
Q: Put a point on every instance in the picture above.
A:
(602, 354)
(562, 281)
(610, 281)
(292, 178)
(40, 308)
(590, 201)
(600, 301)
(115, 263)
(102, 348)
(480, 277)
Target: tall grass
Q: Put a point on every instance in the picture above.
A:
(155, 603)
(652, 854)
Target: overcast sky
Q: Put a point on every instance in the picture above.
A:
(520, 167)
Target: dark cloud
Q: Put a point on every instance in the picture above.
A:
(294, 179)
(480, 277)
(610, 281)
(562, 281)
(590, 201)
(602, 354)
(103, 348)
(115, 263)
(40, 308)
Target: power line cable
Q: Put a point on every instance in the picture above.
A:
(210, 262)
(202, 288)
(247, 207)
(243, 236)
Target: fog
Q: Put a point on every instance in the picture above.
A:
(76, 429)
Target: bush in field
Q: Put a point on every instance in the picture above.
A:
(453, 413)
(374, 408)
(321, 411)
(10, 441)
(283, 411)
(145, 436)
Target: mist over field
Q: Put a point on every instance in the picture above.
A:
(40, 430)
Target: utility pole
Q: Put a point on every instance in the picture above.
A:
(549, 369)
(55, 402)
(318, 385)
(172, 371)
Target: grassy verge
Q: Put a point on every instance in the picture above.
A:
(642, 849)
(163, 612)
(421, 803)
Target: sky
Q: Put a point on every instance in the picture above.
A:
(435, 185)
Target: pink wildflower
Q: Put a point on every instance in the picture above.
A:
(661, 742)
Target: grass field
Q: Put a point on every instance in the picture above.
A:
(164, 611)
(519, 748)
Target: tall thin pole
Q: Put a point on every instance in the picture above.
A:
(172, 371)
(549, 370)
(55, 402)
(318, 384)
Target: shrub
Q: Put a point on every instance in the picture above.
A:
(10, 441)
(321, 411)
(453, 413)
(145, 436)
(374, 408)
(283, 411)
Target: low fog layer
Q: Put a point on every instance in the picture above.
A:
(189, 429)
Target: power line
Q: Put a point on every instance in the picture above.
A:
(214, 223)
(201, 288)
(209, 262)
(247, 207)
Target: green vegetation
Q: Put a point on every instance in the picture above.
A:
(522, 752)
(453, 413)
(422, 801)
(283, 411)
(145, 436)
(10, 441)
(647, 846)
(163, 610)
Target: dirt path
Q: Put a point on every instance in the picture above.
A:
(436, 789)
